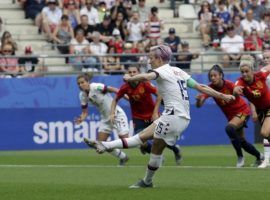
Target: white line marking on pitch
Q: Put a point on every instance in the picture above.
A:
(115, 166)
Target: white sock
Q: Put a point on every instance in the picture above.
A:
(153, 164)
(266, 148)
(118, 153)
(133, 141)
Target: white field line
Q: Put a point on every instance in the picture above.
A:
(115, 166)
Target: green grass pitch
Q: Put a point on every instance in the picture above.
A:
(206, 172)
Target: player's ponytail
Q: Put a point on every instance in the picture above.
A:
(247, 60)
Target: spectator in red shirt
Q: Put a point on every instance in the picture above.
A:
(8, 65)
(253, 42)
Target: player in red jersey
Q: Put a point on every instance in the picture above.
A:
(143, 108)
(237, 112)
(253, 86)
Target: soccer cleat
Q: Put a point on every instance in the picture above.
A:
(143, 150)
(100, 148)
(178, 156)
(141, 184)
(122, 162)
(258, 162)
(264, 164)
(89, 143)
(240, 162)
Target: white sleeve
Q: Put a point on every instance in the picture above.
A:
(98, 87)
(160, 73)
(83, 98)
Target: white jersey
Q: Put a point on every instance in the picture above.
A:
(99, 98)
(268, 81)
(172, 86)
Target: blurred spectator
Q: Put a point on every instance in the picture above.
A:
(63, 34)
(33, 10)
(235, 9)
(223, 13)
(150, 43)
(102, 10)
(250, 23)
(7, 39)
(244, 6)
(217, 31)
(127, 58)
(78, 3)
(142, 9)
(8, 66)
(257, 9)
(185, 56)
(98, 48)
(231, 45)
(88, 29)
(2, 29)
(135, 28)
(238, 28)
(173, 41)
(253, 42)
(51, 17)
(109, 3)
(91, 12)
(72, 12)
(121, 24)
(116, 41)
(266, 39)
(205, 18)
(112, 63)
(80, 46)
(28, 63)
(154, 25)
(143, 59)
(105, 29)
(265, 23)
(119, 7)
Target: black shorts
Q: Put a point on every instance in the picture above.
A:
(243, 117)
(262, 114)
(140, 124)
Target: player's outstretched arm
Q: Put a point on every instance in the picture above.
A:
(200, 99)
(112, 89)
(209, 91)
(140, 77)
(112, 114)
(238, 90)
(254, 114)
(82, 117)
(155, 114)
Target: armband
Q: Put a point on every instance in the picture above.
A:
(191, 83)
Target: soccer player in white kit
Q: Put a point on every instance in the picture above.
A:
(172, 85)
(98, 95)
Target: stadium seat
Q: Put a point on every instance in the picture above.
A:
(187, 11)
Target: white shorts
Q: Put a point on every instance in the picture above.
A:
(169, 128)
(120, 125)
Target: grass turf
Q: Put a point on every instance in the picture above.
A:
(207, 172)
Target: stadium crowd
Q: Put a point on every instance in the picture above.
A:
(102, 35)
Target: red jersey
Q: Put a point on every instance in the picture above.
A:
(233, 108)
(257, 92)
(141, 102)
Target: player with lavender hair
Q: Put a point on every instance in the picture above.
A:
(172, 85)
